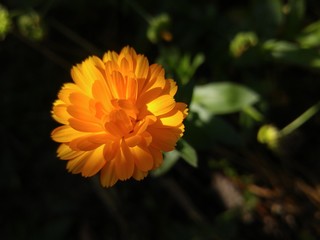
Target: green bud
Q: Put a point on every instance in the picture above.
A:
(269, 135)
(30, 25)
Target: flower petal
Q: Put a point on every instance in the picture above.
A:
(172, 121)
(79, 78)
(65, 134)
(110, 56)
(142, 158)
(161, 105)
(164, 139)
(138, 174)
(66, 153)
(157, 157)
(124, 163)
(67, 89)
(110, 150)
(90, 142)
(142, 67)
(133, 140)
(102, 94)
(76, 165)
(95, 161)
(80, 113)
(84, 126)
(108, 175)
(59, 112)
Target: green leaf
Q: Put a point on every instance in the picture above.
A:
(310, 36)
(170, 158)
(222, 98)
(187, 152)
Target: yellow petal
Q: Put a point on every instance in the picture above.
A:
(164, 139)
(84, 126)
(81, 113)
(142, 158)
(60, 114)
(79, 78)
(113, 129)
(126, 65)
(117, 85)
(67, 90)
(173, 87)
(80, 100)
(102, 94)
(90, 72)
(154, 79)
(110, 56)
(88, 143)
(183, 108)
(147, 97)
(124, 163)
(133, 140)
(142, 67)
(172, 121)
(132, 89)
(95, 161)
(66, 153)
(161, 105)
(98, 63)
(65, 134)
(138, 174)
(108, 175)
(157, 157)
(147, 138)
(76, 165)
(110, 150)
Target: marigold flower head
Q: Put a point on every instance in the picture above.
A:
(118, 117)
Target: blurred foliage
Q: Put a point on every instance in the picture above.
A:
(5, 22)
(248, 165)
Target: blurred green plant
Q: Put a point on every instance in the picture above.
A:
(241, 42)
(31, 26)
(158, 28)
(5, 22)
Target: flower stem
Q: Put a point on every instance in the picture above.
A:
(310, 112)
(254, 113)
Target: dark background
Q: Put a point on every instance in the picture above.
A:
(241, 190)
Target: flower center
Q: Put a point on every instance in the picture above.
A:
(121, 120)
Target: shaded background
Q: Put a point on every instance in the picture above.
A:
(241, 189)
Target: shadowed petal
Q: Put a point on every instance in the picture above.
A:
(108, 175)
(142, 158)
(138, 174)
(95, 161)
(124, 162)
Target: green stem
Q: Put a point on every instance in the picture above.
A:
(252, 112)
(300, 120)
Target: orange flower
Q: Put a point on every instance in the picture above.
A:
(118, 117)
